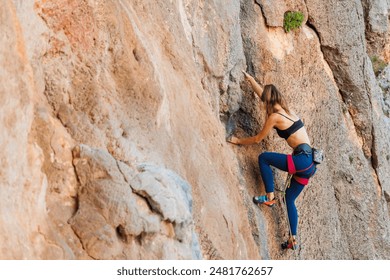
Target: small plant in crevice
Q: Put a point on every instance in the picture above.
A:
(292, 20)
(378, 64)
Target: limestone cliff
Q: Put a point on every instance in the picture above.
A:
(114, 116)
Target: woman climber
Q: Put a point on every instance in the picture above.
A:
(300, 163)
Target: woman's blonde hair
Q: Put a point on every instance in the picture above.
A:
(271, 96)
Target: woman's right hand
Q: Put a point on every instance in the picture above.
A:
(255, 86)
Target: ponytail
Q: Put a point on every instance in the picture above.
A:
(272, 96)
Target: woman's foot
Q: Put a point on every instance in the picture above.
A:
(263, 199)
(291, 243)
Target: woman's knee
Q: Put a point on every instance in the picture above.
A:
(263, 157)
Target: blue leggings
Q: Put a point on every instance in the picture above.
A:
(301, 161)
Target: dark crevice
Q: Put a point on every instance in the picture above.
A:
(387, 196)
(76, 153)
(374, 158)
(247, 45)
(245, 120)
(147, 199)
(120, 230)
(312, 26)
(126, 237)
(262, 11)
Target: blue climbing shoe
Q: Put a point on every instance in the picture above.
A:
(263, 199)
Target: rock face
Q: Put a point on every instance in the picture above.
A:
(376, 22)
(132, 212)
(115, 113)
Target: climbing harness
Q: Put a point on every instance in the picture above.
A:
(292, 171)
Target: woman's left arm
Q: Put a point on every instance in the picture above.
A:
(269, 124)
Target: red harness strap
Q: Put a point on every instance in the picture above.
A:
(291, 165)
(292, 170)
(300, 180)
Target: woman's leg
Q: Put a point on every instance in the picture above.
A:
(291, 194)
(266, 160)
(301, 162)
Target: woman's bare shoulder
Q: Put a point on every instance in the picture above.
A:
(293, 114)
(274, 115)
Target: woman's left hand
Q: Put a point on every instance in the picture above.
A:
(233, 140)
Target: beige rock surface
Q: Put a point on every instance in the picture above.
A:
(377, 26)
(115, 114)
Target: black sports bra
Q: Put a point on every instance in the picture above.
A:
(285, 133)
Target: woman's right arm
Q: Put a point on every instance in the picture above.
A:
(269, 124)
(255, 86)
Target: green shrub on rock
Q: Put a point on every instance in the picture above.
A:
(292, 20)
